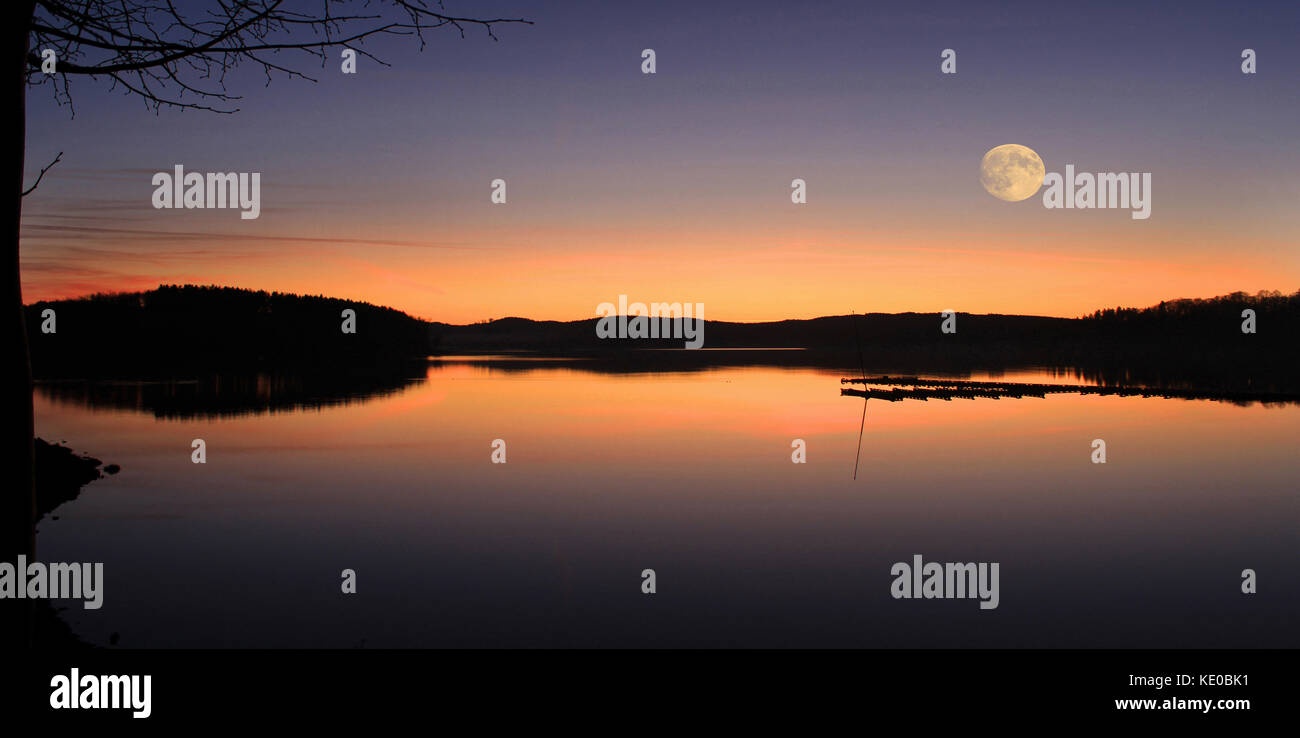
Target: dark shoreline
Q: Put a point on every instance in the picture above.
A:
(234, 351)
(61, 475)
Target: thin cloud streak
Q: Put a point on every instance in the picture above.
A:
(82, 230)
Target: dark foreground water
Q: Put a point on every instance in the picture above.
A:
(689, 474)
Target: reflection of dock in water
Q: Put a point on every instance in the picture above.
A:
(896, 389)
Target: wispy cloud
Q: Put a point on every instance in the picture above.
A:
(227, 236)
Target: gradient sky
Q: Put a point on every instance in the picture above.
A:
(676, 186)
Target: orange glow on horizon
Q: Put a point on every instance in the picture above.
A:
(752, 277)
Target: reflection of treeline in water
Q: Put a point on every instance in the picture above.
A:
(177, 329)
(1183, 343)
(1169, 327)
(196, 331)
(1198, 343)
(231, 394)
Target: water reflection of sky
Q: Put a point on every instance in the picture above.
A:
(689, 474)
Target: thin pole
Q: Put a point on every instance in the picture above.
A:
(860, 429)
(862, 365)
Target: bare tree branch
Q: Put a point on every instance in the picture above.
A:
(174, 58)
(44, 169)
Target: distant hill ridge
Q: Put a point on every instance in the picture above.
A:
(209, 327)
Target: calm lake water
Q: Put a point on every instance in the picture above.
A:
(689, 474)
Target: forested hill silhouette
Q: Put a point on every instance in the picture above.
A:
(1201, 322)
(1186, 343)
(176, 328)
(191, 328)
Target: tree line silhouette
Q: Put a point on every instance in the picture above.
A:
(198, 329)
(178, 330)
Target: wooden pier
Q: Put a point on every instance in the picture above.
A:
(896, 389)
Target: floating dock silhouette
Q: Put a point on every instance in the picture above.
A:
(896, 389)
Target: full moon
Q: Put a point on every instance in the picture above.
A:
(1011, 172)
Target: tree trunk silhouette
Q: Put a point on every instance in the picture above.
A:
(17, 511)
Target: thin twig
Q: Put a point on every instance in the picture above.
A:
(32, 189)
